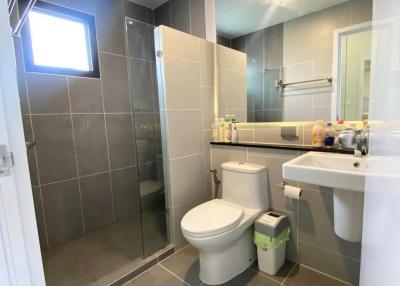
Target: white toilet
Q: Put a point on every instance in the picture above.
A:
(221, 229)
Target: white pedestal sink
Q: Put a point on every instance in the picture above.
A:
(346, 175)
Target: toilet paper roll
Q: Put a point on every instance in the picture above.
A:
(292, 192)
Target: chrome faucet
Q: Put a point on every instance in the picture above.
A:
(355, 139)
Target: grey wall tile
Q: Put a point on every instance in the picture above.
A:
(120, 140)
(187, 179)
(37, 200)
(21, 75)
(255, 53)
(316, 224)
(221, 40)
(239, 44)
(126, 193)
(162, 14)
(55, 147)
(140, 41)
(273, 45)
(83, 6)
(197, 18)
(180, 15)
(184, 136)
(28, 132)
(221, 154)
(48, 93)
(182, 84)
(62, 209)
(145, 137)
(142, 86)
(90, 143)
(110, 26)
(138, 12)
(272, 134)
(85, 94)
(274, 165)
(114, 75)
(335, 265)
(96, 201)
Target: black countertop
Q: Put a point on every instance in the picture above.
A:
(287, 147)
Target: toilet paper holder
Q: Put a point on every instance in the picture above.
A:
(282, 185)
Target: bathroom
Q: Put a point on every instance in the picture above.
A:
(144, 141)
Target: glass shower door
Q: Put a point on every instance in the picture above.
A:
(146, 118)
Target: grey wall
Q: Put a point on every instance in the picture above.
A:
(264, 49)
(84, 166)
(184, 15)
(312, 242)
(303, 48)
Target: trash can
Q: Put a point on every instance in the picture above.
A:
(271, 231)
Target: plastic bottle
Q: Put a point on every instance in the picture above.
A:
(227, 132)
(221, 128)
(330, 134)
(214, 127)
(234, 133)
(318, 134)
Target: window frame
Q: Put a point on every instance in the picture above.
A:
(68, 14)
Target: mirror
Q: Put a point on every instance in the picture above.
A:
(351, 92)
(303, 57)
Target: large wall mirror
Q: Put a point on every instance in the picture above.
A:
(306, 60)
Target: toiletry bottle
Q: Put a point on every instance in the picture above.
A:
(318, 134)
(214, 127)
(227, 132)
(234, 133)
(221, 127)
(330, 134)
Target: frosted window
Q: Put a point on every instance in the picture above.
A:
(59, 42)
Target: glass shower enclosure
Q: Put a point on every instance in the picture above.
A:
(146, 120)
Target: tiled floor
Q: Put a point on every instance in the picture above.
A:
(182, 268)
(89, 258)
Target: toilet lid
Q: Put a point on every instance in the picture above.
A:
(211, 218)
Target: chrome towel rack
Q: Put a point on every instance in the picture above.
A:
(281, 84)
(24, 16)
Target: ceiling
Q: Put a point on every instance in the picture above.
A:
(239, 17)
(152, 4)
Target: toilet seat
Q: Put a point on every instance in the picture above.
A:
(211, 218)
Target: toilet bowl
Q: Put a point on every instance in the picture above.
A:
(221, 229)
(222, 232)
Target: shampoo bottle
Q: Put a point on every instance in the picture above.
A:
(234, 133)
(221, 127)
(214, 127)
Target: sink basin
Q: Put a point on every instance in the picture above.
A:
(346, 175)
(328, 170)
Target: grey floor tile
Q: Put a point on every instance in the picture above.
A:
(156, 276)
(282, 273)
(185, 264)
(250, 277)
(302, 276)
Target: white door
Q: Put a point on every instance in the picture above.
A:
(20, 258)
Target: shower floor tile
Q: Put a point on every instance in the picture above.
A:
(85, 260)
(182, 268)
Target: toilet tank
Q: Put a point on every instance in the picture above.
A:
(245, 184)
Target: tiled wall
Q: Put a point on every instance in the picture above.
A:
(184, 15)
(84, 166)
(304, 48)
(264, 49)
(232, 83)
(185, 98)
(312, 241)
(307, 54)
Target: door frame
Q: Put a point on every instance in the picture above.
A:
(20, 255)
